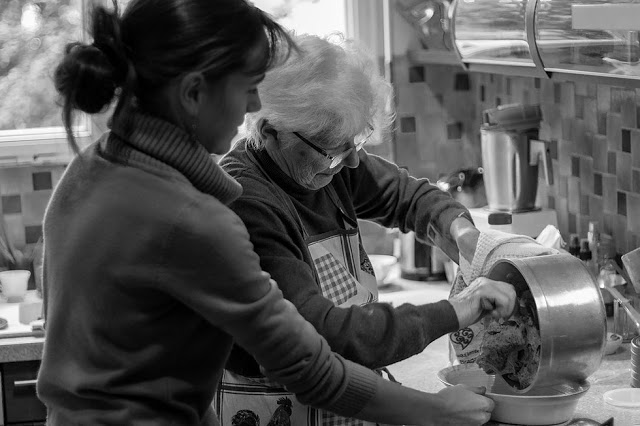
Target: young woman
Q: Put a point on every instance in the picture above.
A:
(148, 275)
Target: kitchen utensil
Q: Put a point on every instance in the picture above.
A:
(631, 262)
(570, 312)
(510, 157)
(623, 322)
(542, 406)
(589, 422)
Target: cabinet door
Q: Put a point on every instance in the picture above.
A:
(21, 405)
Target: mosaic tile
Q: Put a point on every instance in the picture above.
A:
(614, 132)
(42, 181)
(416, 74)
(573, 194)
(633, 212)
(34, 205)
(623, 170)
(635, 148)
(609, 193)
(11, 204)
(599, 150)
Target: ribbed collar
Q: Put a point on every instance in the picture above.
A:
(167, 143)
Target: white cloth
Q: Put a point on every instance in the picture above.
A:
(492, 246)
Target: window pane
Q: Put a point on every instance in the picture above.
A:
(32, 38)
(307, 16)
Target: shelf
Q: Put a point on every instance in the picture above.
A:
(437, 57)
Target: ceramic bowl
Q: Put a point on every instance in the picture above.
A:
(382, 264)
(613, 343)
(540, 406)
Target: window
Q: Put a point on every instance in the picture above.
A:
(33, 34)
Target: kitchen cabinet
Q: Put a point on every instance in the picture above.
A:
(558, 39)
(20, 403)
(587, 37)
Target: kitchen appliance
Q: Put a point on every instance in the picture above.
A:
(431, 19)
(570, 314)
(511, 154)
(419, 261)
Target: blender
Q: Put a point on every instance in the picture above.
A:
(511, 154)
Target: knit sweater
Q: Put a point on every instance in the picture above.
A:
(149, 276)
(374, 335)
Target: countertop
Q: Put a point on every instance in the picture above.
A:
(420, 371)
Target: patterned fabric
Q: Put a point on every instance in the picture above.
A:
(329, 419)
(336, 282)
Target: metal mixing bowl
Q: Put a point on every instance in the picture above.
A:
(570, 311)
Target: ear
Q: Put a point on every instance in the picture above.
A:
(190, 92)
(266, 129)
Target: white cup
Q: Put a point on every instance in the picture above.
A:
(14, 284)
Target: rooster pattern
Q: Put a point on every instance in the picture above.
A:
(281, 417)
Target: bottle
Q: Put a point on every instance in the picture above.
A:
(574, 245)
(606, 275)
(585, 254)
(593, 236)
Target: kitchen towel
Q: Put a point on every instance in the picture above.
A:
(492, 246)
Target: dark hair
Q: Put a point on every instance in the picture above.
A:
(155, 41)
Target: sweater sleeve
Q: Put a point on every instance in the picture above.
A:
(386, 194)
(374, 335)
(211, 251)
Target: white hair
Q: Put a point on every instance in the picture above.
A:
(329, 91)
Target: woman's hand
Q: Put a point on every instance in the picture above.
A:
(463, 405)
(484, 297)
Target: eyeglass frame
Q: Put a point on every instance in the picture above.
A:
(339, 158)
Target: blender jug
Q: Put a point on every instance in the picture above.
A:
(510, 156)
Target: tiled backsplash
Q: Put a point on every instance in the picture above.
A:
(593, 129)
(24, 194)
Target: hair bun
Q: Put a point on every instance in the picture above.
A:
(88, 68)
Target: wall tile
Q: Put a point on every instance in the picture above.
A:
(42, 181)
(15, 180)
(33, 206)
(633, 213)
(623, 170)
(635, 148)
(599, 150)
(609, 193)
(596, 210)
(573, 196)
(614, 132)
(635, 180)
(15, 229)
(11, 204)
(32, 234)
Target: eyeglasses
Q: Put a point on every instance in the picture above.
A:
(358, 143)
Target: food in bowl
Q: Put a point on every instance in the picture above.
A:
(511, 347)
(547, 405)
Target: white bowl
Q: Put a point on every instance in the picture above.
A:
(382, 264)
(540, 406)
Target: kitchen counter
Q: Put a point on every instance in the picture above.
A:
(420, 371)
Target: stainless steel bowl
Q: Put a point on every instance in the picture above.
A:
(570, 312)
(543, 406)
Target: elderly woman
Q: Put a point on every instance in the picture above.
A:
(306, 181)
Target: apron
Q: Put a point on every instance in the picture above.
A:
(345, 275)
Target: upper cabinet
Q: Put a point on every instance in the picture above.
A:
(543, 38)
(589, 37)
(492, 31)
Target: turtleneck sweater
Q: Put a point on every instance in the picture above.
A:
(148, 279)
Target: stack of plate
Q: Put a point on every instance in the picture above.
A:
(635, 362)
